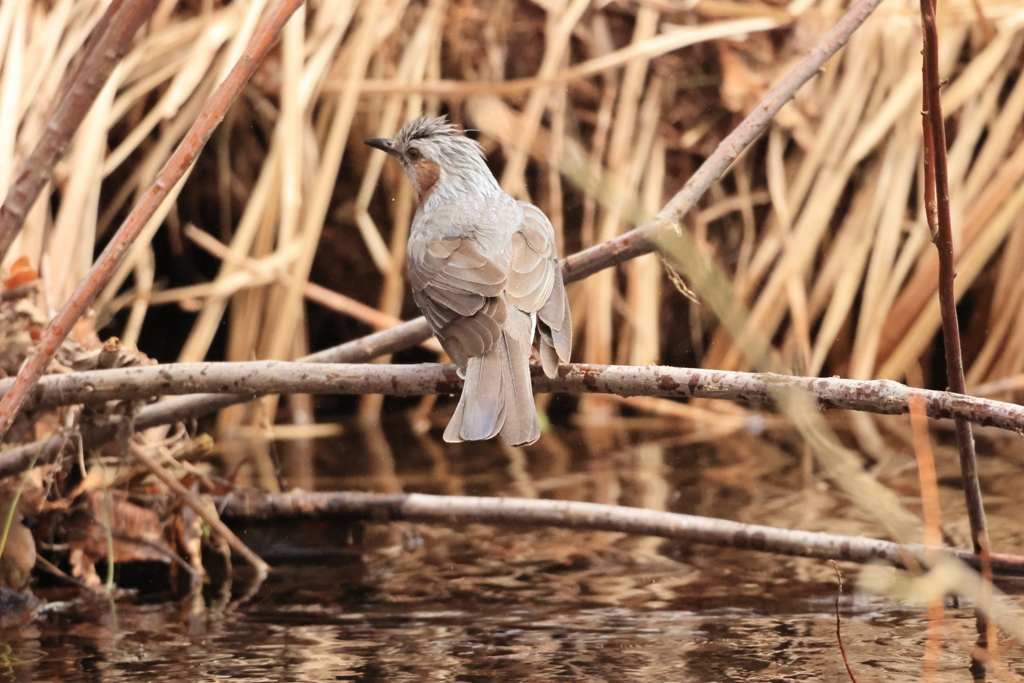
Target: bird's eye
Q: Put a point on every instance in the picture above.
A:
(413, 154)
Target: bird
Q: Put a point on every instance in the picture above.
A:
(485, 274)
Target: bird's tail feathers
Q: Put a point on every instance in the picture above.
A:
(481, 409)
(521, 426)
(497, 397)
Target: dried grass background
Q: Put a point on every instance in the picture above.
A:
(596, 111)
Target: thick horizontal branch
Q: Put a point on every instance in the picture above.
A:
(278, 377)
(450, 510)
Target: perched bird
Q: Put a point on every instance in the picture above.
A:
(485, 274)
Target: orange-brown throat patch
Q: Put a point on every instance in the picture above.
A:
(427, 175)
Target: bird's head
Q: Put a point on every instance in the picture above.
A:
(438, 157)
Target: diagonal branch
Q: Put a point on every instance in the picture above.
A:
(201, 508)
(110, 40)
(179, 162)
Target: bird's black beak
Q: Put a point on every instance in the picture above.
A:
(385, 144)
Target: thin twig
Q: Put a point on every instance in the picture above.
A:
(169, 175)
(937, 176)
(839, 632)
(450, 510)
(20, 458)
(111, 39)
(252, 378)
(197, 505)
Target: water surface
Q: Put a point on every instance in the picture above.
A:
(477, 603)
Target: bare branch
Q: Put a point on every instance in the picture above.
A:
(937, 210)
(449, 510)
(279, 377)
(937, 180)
(44, 451)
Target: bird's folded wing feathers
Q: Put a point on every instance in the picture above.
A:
(531, 273)
(457, 287)
(535, 285)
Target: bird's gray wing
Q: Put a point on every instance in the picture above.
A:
(535, 286)
(458, 289)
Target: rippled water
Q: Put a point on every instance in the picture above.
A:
(485, 604)
(517, 642)
(316, 625)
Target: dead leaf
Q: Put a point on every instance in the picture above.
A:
(21, 273)
(138, 535)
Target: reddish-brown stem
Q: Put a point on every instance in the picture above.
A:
(839, 624)
(930, 209)
(109, 42)
(937, 177)
(169, 175)
(937, 180)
